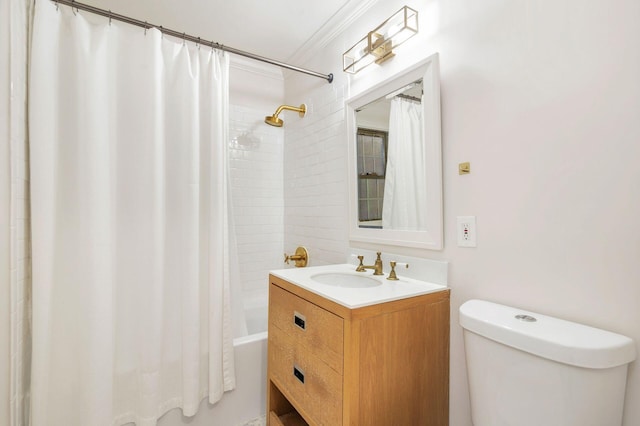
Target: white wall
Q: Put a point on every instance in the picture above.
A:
(543, 98)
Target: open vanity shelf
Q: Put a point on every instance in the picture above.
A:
(381, 364)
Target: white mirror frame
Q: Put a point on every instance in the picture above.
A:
(432, 238)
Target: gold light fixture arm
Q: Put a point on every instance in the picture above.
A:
(378, 45)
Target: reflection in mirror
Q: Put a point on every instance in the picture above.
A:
(372, 153)
(391, 183)
(395, 155)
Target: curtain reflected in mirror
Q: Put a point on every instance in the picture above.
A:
(391, 167)
(405, 201)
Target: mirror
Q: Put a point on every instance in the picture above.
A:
(395, 160)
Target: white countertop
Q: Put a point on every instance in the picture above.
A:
(357, 297)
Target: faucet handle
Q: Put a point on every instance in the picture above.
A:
(392, 275)
(360, 267)
(301, 257)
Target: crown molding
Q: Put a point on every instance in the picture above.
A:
(330, 30)
(256, 67)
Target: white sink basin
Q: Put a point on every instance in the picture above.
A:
(340, 279)
(342, 284)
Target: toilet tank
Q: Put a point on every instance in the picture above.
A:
(528, 369)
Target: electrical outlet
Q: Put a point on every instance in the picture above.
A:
(466, 231)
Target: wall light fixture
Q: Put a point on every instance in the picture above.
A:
(378, 45)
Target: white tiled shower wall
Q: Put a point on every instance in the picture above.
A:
(256, 162)
(315, 176)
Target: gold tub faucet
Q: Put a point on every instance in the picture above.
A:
(301, 257)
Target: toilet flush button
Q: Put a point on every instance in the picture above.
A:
(526, 318)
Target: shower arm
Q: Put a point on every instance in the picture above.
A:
(299, 110)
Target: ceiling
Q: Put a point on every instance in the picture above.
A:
(276, 29)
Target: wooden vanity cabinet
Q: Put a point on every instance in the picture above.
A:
(385, 364)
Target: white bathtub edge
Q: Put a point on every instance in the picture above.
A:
(239, 341)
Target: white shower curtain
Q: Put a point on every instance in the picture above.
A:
(405, 199)
(131, 312)
(14, 214)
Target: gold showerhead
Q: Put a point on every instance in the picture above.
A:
(273, 120)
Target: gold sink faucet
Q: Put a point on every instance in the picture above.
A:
(377, 266)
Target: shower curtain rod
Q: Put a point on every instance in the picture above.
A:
(184, 36)
(411, 98)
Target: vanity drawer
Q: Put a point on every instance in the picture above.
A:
(309, 383)
(310, 326)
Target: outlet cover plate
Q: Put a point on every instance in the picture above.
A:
(466, 231)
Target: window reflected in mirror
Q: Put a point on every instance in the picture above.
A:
(390, 156)
(372, 153)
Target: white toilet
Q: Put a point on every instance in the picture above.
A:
(527, 369)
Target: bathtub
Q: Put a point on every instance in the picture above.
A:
(246, 404)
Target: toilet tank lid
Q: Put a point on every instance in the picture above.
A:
(552, 338)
